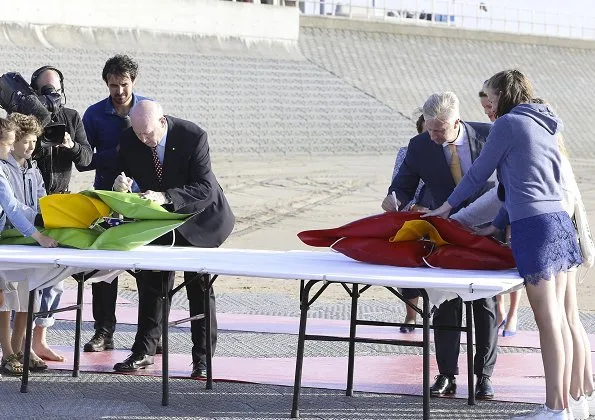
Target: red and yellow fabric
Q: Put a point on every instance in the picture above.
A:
(404, 239)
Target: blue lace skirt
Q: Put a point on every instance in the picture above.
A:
(544, 245)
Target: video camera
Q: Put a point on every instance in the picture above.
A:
(53, 134)
(16, 95)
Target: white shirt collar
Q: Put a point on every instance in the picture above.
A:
(460, 138)
(163, 140)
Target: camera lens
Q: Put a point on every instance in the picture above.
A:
(48, 90)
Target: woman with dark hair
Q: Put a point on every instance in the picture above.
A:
(523, 147)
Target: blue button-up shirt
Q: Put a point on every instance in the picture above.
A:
(103, 126)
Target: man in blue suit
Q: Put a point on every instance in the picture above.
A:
(440, 157)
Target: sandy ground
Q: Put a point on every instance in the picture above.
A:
(276, 197)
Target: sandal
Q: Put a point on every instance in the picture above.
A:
(11, 366)
(36, 363)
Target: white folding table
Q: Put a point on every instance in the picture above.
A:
(46, 266)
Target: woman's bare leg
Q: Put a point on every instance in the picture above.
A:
(578, 345)
(500, 312)
(411, 315)
(513, 311)
(542, 297)
(561, 284)
(18, 331)
(5, 334)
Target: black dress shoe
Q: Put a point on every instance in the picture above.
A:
(483, 388)
(445, 385)
(406, 329)
(199, 370)
(134, 362)
(99, 342)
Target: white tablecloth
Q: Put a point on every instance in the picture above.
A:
(46, 266)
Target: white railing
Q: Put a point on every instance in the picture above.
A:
(290, 3)
(481, 15)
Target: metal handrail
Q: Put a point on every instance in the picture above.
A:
(289, 3)
(460, 13)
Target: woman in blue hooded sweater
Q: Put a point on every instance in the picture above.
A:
(523, 148)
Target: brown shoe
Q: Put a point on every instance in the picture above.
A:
(11, 366)
(36, 364)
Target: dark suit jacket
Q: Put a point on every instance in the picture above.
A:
(425, 161)
(187, 178)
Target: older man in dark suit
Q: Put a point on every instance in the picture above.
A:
(440, 157)
(169, 160)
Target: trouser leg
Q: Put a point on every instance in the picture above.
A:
(104, 305)
(149, 310)
(196, 293)
(448, 343)
(486, 335)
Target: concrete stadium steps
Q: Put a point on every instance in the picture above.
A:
(247, 104)
(403, 70)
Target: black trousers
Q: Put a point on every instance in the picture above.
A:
(104, 305)
(150, 307)
(448, 343)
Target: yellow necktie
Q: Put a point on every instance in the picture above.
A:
(455, 164)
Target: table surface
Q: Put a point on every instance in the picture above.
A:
(300, 265)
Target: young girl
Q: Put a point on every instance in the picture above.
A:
(578, 375)
(21, 217)
(522, 146)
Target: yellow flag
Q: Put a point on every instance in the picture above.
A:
(71, 210)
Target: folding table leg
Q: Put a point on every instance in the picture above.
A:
(206, 279)
(469, 331)
(299, 362)
(425, 315)
(78, 327)
(27, 353)
(352, 333)
(164, 339)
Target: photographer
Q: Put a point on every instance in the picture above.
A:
(55, 157)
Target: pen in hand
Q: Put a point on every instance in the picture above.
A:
(125, 178)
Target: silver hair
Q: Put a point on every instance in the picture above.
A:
(443, 106)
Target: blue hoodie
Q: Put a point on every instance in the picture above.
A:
(523, 148)
(12, 208)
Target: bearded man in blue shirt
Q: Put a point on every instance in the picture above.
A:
(104, 121)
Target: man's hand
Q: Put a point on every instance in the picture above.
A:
(154, 196)
(486, 231)
(67, 143)
(123, 183)
(45, 241)
(419, 209)
(390, 203)
(441, 211)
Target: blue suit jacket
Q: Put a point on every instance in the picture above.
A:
(425, 161)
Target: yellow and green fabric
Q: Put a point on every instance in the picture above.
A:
(74, 221)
